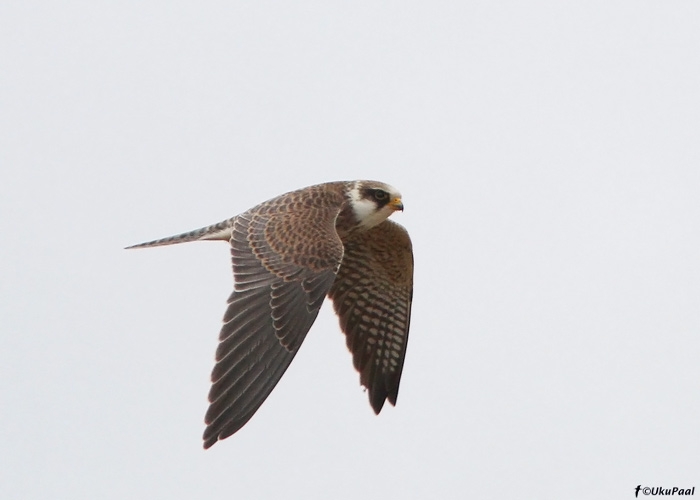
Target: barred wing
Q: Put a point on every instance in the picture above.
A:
(372, 296)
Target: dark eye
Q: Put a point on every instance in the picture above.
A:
(380, 195)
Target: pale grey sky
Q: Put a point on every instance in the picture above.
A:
(549, 158)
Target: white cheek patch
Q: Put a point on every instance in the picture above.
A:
(366, 210)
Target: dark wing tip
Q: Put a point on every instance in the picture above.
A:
(383, 387)
(213, 434)
(209, 442)
(376, 400)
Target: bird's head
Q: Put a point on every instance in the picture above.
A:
(373, 202)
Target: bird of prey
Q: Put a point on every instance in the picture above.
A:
(288, 253)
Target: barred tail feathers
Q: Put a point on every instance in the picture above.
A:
(220, 231)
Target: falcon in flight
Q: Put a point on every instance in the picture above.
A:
(288, 253)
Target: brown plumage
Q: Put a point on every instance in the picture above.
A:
(288, 253)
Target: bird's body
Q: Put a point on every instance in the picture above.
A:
(288, 254)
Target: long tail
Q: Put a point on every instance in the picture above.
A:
(220, 231)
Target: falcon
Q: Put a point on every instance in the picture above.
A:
(288, 254)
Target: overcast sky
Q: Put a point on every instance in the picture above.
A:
(549, 158)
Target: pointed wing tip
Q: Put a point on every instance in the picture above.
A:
(211, 436)
(377, 402)
(218, 432)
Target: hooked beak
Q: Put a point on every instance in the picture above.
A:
(396, 204)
